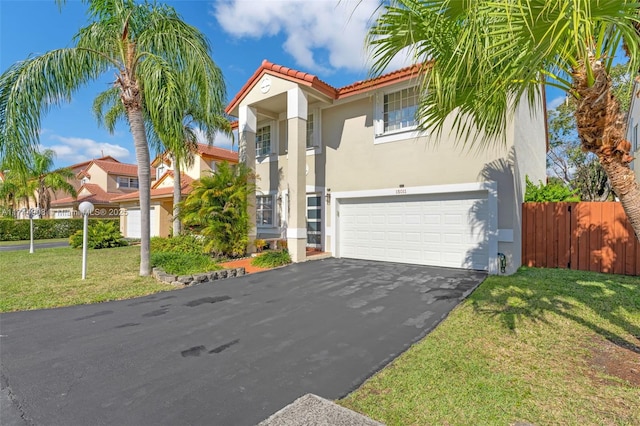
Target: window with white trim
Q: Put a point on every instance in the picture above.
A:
(263, 141)
(127, 182)
(399, 110)
(310, 135)
(264, 210)
(160, 171)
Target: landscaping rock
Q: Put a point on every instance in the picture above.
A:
(241, 271)
(177, 284)
(231, 273)
(200, 278)
(185, 279)
(167, 278)
(222, 274)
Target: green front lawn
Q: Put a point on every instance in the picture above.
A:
(51, 278)
(544, 346)
(35, 242)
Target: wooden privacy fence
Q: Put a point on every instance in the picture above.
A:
(587, 236)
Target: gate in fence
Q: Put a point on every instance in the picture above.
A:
(586, 236)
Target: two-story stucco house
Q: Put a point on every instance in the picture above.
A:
(633, 134)
(345, 171)
(98, 181)
(205, 160)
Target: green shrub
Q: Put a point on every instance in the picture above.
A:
(18, 229)
(553, 192)
(183, 263)
(271, 259)
(101, 234)
(218, 207)
(193, 244)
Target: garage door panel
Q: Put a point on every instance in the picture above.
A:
(441, 230)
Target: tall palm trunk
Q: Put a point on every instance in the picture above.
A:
(601, 131)
(136, 124)
(177, 195)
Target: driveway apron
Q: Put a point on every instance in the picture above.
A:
(224, 353)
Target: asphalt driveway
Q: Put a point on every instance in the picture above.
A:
(227, 353)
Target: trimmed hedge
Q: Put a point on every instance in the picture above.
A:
(18, 229)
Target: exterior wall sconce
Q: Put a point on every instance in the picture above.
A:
(328, 196)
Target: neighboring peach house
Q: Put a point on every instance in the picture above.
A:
(205, 160)
(98, 181)
(346, 171)
(633, 134)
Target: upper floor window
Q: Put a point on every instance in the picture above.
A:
(399, 110)
(127, 182)
(310, 126)
(84, 180)
(263, 141)
(264, 210)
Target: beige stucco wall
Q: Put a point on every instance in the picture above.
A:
(100, 177)
(350, 160)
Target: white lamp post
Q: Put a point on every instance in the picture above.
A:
(85, 208)
(30, 230)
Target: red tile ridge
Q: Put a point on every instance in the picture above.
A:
(402, 74)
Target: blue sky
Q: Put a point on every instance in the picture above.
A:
(323, 37)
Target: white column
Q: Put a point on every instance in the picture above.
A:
(297, 108)
(247, 125)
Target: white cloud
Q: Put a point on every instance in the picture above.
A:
(322, 35)
(556, 102)
(70, 150)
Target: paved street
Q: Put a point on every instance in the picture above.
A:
(227, 353)
(36, 246)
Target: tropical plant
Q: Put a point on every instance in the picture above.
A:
(217, 207)
(100, 234)
(553, 191)
(182, 151)
(47, 179)
(150, 50)
(183, 263)
(271, 259)
(185, 243)
(487, 56)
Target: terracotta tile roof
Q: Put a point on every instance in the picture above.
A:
(185, 188)
(311, 80)
(290, 74)
(403, 74)
(97, 196)
(117, 168)
(80, 166)
(215, 152)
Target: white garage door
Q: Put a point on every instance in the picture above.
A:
(133, 223)
(440, 230)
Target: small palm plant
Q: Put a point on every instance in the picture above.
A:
(218, 208)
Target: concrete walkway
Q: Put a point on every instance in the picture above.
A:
(232, 352)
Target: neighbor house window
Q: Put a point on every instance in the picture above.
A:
(264, 210)
(263, 141)
(399, 110)
(160, 171)
(127, 182)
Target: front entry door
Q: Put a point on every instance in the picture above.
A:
(314, 221)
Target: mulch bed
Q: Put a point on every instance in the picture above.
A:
(243, 263)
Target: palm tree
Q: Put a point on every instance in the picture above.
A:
(149, 48)
(182, 151)
(45, 179)
(218, 206)
(487, 56)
